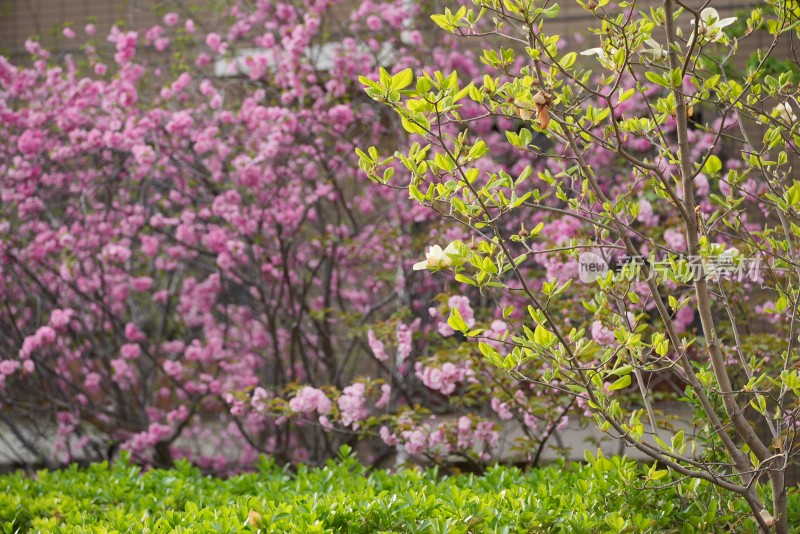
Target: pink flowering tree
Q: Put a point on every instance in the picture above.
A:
(190, 265)
(649, 235)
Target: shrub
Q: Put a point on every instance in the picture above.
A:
(190, 264)
(605, 495)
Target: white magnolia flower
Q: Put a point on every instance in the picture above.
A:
(436, 258)
(654, 48)
(606, 59)
(722, 265)
(767, 517)
(784, 112)
(711, 25)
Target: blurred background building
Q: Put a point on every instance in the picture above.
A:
(20, 19)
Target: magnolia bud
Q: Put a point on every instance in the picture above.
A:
(541, 99)
(524, 114)
(767, 517)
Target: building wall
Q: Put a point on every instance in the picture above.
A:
(20, 19)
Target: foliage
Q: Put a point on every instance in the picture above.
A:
(602, 496)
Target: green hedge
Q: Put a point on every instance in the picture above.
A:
(602, 496)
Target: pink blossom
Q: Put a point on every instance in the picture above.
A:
(352, 405)
(601, 334)
(309, 399)
(701, 184)
(496, 333)
(386, 393)
(377, 347)
(259, 396)
(675, 239)
(46, 335)
(69, 33)
(325, 423)
(415, 38)
(502, 409)
(124, 374)
(374, 23)
(341, 115)
(464, 436)
(173, 368)
(443, 379)
(213, 41)
(143, 154)
(171, 19)
(132, 333)
(141, 283)
(562, 423)
(92, 382)
(8, 367)
(130, 351)
(59, 319)
(530, 420)
(646, 215)
(485, 432)
(116, 253)
(178, 415)
(415, 441)
(30, 142)
(149, 245)
(387, 437)
(404, 341)
(684, 317)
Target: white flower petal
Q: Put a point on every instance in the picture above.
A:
(709, 13)
(726, 22)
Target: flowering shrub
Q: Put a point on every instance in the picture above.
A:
(191, 267)
(639, 249)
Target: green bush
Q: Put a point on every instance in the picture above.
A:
(601, 496)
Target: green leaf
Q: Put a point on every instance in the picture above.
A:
(793, 194)
(369, 83)
(442, 22)
(620, 383)
(542, 336)
(622, 370)
(656, 78)
(402, 79)
(412, 127)
(625, 95)
(713, 165)
(568, 60)
(677, 441)
(465, 280)
(552, 11)
(456, 322)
